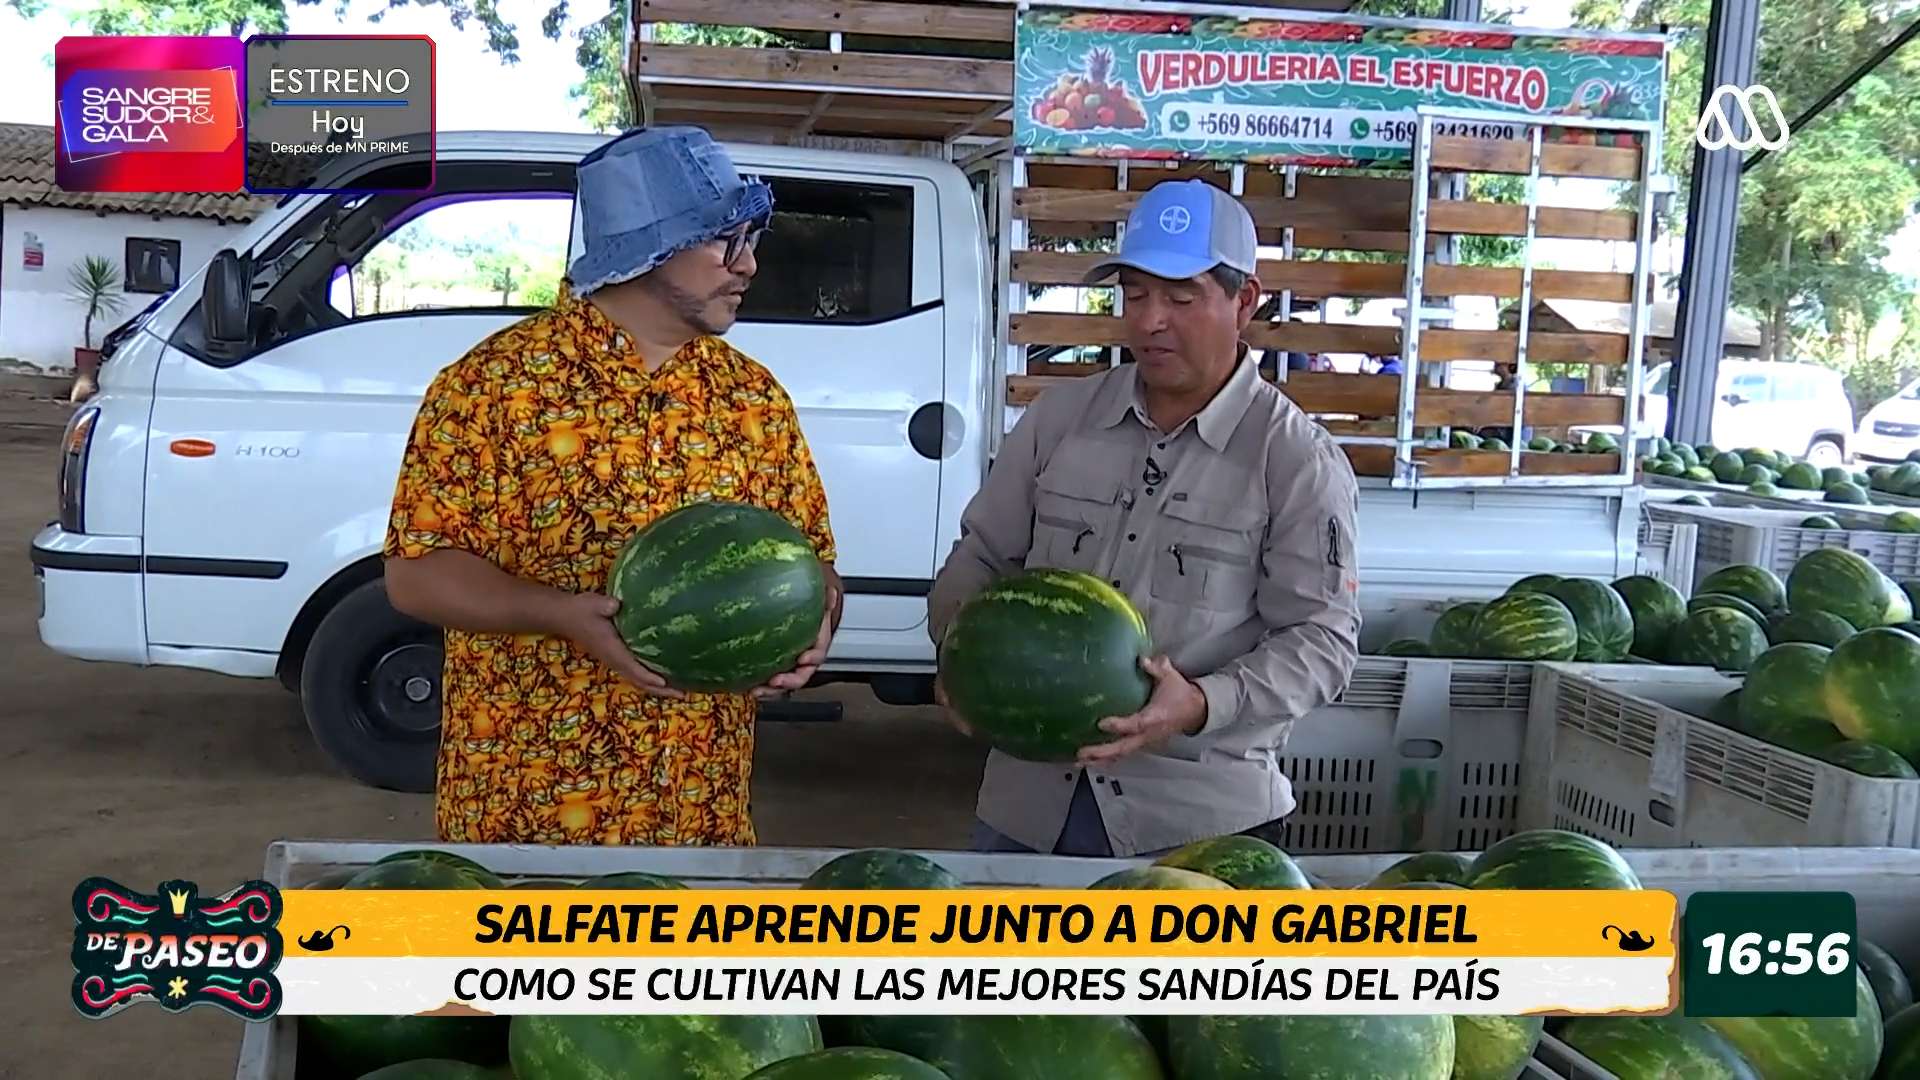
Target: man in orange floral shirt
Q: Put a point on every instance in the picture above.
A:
(533, 459)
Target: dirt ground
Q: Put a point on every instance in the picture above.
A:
(142, 775)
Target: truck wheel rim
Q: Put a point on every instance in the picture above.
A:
(403, 691)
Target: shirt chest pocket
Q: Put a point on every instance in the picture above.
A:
(1210, 555)
(1073, 520)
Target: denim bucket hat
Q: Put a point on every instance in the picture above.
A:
(651, 193)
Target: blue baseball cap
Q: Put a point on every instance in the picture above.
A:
(651, 193)
(1181, 229)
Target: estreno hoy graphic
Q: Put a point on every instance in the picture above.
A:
(1715, 130)
(176, 948)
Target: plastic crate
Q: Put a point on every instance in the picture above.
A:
(1757, 536)
(1882, 882)
(1666, 550)
(1417, 754)
(1630, 761)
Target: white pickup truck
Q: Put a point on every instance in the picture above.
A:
(224, 497)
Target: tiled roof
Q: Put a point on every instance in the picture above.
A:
(26, 178)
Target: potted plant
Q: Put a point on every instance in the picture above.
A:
(95, 282)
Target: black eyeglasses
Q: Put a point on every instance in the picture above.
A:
(745, 238)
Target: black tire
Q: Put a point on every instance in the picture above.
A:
(361, 689)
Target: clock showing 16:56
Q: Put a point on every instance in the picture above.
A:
(1769, 954)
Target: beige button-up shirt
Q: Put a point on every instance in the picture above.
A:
(1233, 534)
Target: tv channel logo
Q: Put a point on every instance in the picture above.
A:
(148, 114)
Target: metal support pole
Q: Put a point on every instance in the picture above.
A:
(1713, 208)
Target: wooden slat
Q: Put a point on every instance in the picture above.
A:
(943, 20)
(1556, 159)
(1342, 206)
(844, 72)
(1503, 346)
(1371, 396)
(1316, 278)
(1060, 329)
(1377, 460)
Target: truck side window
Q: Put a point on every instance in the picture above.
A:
(475, 250)
(836, 253)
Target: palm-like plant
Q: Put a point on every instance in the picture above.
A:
(96, 287)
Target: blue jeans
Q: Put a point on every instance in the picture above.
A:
(1084, 834)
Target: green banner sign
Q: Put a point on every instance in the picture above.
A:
(1335, 92)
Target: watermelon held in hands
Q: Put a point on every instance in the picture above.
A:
(1810, 1048)
(1078, 1047)
(1453, 631)
(1603, 623)
(850, 1063)
(1869, 687)
(881, 868)
(569, 1046)
(1309, 1047)
(1494, 1047)
(1550, 859)
(1035, 661)
(1244, 862)
(1428, 866)
(1717, 637)
(718, 597)
(1891, 988)
(1526, 626)
(1656, 607)
(1662, 1046)
(1757, 585)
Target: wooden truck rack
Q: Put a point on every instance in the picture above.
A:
(942, 75)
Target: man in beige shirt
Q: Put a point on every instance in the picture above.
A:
(1224, 512)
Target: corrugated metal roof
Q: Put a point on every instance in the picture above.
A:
(26, 179)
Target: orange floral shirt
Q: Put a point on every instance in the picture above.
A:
(542, 450)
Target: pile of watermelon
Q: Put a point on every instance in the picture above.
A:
(1541, 617)
(1768, 472)
(1114, 1047)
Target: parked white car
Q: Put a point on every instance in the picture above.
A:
(1794, 408)
(1891, 430)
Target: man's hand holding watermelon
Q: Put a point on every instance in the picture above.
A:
(1176, 707)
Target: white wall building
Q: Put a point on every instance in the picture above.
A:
(154, 241)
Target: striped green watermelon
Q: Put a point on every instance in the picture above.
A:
(1405, 647)
(1757, 585)
(1870, 681)
(1841, 583)
(1532, 583)
(1810, 1048)
(1657, 608)
(1891, 988)
(1453, 631)
(1158, 877)
(1078, 1047)
(354, 1045)
(1550, 859)
(333, 879)
(1718, 637)
(1309, 1047)
(632, 879)
(1603, 622)
(1785, 689)
(718, 597)
(1526, 626)
(422, 870)
(484, 876)
(1726, 711)
(1035, 661)
(1867, 759)
(1900, 1059)
(1813, 627)
(881, 868)
(542, 883)
(1727, 600)
(1820, 521)
(1426, 866)
(850, 1063)
(1673, 1046)
(437, 1069)
(570, 1047)
(1848, 493)
(1244, 862)
(1494, 1047)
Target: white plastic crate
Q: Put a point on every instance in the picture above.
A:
(1758, 536)
(1667, 551)
(1417, 754)
(1629, 760)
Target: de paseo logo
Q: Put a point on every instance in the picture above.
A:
(176, 948)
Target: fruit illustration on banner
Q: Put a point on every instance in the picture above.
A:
(1091, 100)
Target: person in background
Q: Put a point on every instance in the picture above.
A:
(1221, 510)
(537, 454)
(1386, 365)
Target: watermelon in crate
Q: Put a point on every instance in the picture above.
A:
(1244, 862)
(1526, 625)
(1656, 608)
(1810, 1048)
(1452, 634)
(1718, 637)
(1603, 623)
(996, 1047)
(1870, 689)
(881, 868)
(569, 1046)
(1784, 698)
(1840, 582)
(718, 596)
(1550, 859)
(1755, 584)
(1036, 660)
(1310, 1047)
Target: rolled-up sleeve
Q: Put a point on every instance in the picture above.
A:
(1308, 597)
(996, 529)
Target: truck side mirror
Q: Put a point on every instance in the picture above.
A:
(226, 304)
